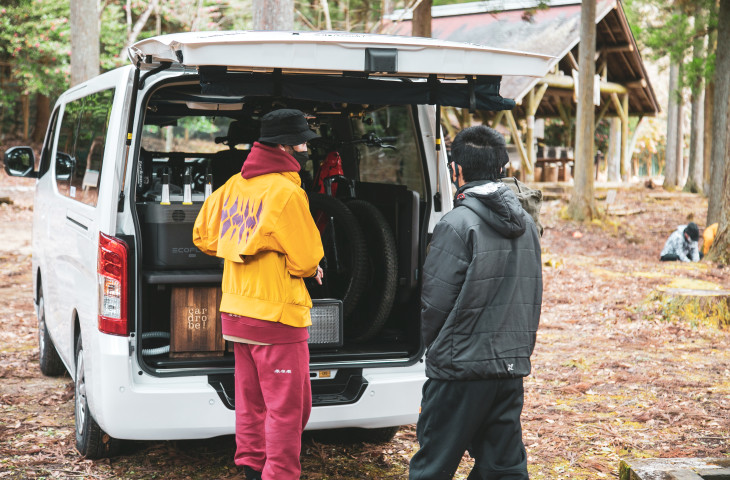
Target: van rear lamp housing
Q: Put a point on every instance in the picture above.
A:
(327, 324)
(113, 285)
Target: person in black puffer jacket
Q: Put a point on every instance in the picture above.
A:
(481, 299)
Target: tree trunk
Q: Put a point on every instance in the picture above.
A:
(720, 114)
(327, 18)
(582, 203)
(133, 32)
(671, 161)
(696, 138)
(709, 105)
(84, 40)
(632, 146)
(694, 170)
(273, 14)
(42, 114)
(422, 19)
(720, 250)
(707, 133)
(680, 134)
(613, 158)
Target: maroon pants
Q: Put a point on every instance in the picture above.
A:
(273, 402)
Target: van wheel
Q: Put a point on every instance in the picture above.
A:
(48, 358)
(344, 260)
(91, 441)
(381, 276)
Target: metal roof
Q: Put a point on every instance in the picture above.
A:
(553, 31)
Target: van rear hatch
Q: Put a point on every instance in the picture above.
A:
(330, 52)
(361, 93)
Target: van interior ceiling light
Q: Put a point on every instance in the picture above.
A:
(112, 273)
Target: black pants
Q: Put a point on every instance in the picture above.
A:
(671, 257)
(481, 416)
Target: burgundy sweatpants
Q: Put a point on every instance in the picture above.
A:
(273, 402)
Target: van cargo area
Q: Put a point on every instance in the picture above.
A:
(366, 182)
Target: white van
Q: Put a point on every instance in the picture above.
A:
(128, 305)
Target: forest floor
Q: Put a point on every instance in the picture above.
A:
(614, 374)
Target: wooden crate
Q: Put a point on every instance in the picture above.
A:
(195, 329)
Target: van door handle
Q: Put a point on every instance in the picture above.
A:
(77, 223)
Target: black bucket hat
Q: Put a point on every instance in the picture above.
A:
(285, 127)
(692, 231)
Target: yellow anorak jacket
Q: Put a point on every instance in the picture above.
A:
(259, 223)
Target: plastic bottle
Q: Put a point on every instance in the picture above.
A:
(165, 196)
(208, 185)
(187, 188)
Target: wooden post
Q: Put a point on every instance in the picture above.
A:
(622, 107)
(614, 151)
(533, 101)
(518, 141)
(497, 119)
(567, 121)
(530, 135)
(625, 154)
(582, 204)
(602, 112)
(421, 23)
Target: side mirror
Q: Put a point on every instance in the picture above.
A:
(19, 162)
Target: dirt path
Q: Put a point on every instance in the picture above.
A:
(612, 377)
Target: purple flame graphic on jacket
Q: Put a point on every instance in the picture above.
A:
(238, 218)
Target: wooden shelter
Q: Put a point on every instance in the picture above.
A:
(622, 83)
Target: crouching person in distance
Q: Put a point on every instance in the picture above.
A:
(480, 309)
(259, 222)
(682, 245)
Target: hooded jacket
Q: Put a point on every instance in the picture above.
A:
(259, 223)
(685, 249)
(482, 287)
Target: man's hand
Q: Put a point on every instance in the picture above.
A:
(319, 275)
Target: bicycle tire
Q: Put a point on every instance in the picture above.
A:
(381, 283)
(344, 260)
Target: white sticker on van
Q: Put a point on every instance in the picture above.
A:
(72, 192)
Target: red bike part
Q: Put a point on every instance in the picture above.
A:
(331, 167)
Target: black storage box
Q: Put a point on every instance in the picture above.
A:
(167, 237)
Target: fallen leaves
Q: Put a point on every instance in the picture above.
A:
(609, 380)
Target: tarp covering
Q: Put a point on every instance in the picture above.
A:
(481, 94)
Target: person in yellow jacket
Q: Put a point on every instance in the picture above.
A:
(259, 223)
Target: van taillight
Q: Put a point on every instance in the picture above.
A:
(112, 270)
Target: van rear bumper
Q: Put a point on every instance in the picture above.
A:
(131, 406)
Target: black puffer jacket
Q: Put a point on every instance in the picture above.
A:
(482, 287)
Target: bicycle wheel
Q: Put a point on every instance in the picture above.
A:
(377, 299)
(344, 260)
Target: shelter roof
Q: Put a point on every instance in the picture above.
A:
(555, 31)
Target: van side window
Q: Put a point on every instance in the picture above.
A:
(44, 162)
(81, 145)
(65, 159)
